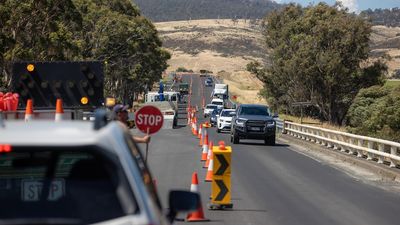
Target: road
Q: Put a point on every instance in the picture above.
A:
(270, 184)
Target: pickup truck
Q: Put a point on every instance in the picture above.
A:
(253, 122)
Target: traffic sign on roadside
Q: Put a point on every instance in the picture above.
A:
(149, 119)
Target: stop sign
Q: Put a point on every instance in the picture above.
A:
(149, 119)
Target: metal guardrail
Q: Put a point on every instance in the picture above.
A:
(361, 146)
(279, 125)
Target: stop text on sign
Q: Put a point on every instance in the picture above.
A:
(149, 119)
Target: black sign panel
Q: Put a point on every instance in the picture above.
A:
(44, 82)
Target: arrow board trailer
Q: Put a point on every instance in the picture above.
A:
(169, 113)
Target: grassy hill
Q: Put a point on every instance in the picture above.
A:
(226, 47)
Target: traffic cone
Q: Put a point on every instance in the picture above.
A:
(209, 175)
(195, 129)
(200, 131)
(59, 110)
(29, 110)
(205, 149)
(209, 154)
(197, 215)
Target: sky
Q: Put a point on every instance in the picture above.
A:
(353, 5)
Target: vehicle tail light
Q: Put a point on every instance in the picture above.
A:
(4, 148)
(169, 113)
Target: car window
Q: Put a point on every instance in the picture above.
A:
(211, 106)
(261, 111)
(217, 103)
(228, 113)
(78, 185)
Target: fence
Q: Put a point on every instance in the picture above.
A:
(363, 147)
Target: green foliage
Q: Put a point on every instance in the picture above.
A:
(173, 10)
(376, 112)
(183, 69)
(316, 56)
(109, 30)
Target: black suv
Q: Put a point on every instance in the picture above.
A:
(253, 122)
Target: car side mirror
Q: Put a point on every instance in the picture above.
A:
(275, 115)
(182, 201)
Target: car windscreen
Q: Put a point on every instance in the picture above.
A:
(211, 107)
(217, 103)
(228, 113)
(71, 187)
(256, 110)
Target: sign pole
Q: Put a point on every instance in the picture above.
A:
(147, 146)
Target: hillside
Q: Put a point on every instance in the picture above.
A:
(226, 47)
(173, 10)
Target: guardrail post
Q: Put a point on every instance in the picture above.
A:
(303, 130)
(381, 148)
(393, 151)
(351, 150)
(360, 153)
(370, 146)
(317, 139)
(329, 143)
(342, 148)
(335, 146)
(323, 142)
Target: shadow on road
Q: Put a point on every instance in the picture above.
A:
(262, 144)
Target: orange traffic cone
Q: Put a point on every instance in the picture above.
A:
(195, 129)
(205, 149)
(29, 110)
(59, 110)
(199, 135)
(198, 215)
(209, 175)
(209, 154)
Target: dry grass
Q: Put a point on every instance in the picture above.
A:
(221, 45)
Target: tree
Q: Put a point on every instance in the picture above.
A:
(316, 56)
(115, 32)
(37, 30)
(375, 112)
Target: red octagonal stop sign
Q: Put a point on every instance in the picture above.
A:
(149, 119)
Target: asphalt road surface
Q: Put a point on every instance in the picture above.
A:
(270, 184)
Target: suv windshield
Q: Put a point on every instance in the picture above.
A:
(255, 110)
(211, 107)
(217, 103)
(228, 113)
(78, 186)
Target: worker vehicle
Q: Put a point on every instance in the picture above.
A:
(79, 84)
(253, 122)
(76, 172)
(224, 119)
(208, 109)
(169, 111)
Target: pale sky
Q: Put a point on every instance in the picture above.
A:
(353, 5)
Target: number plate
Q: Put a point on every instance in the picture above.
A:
(31, 190)
(255, 128)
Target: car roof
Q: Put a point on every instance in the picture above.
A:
(252, 105)
(211, 105)
(217, 100)
(229, 110)
(63, 133)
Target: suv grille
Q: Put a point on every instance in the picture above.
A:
(255, 126)
(255, 123)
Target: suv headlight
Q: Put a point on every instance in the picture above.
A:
(270, 123)
(240, 122)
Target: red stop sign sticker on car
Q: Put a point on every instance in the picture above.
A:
(149, 119)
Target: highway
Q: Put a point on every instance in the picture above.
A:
(270, 184)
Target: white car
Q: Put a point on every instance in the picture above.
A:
(224, 119)
(218, 102)
(208, 109)
(61, 173)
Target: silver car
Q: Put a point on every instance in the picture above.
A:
(78, 173)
